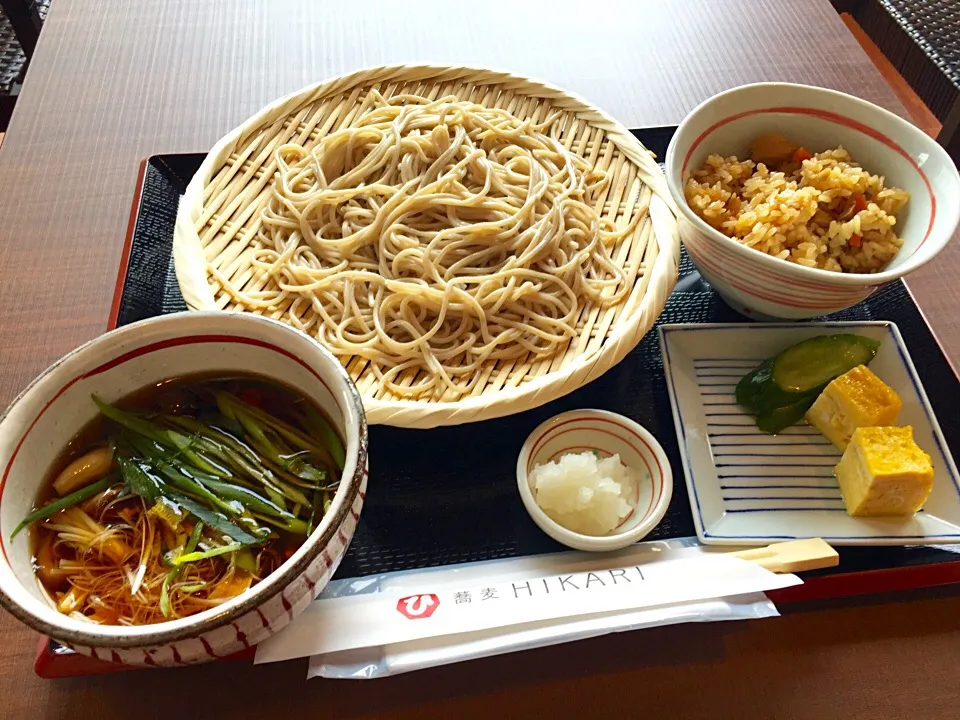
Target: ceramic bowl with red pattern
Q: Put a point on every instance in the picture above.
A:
(604, 434)
(54, 407)
(763, 286)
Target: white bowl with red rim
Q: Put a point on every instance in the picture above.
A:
(606, 434)
(54, 407)
(762, 286)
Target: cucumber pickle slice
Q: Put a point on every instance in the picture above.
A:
(754, 386)
(815, 362)
(776, 420)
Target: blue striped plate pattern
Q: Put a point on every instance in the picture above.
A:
(748, 487)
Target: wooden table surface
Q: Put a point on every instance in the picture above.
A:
(116, 80)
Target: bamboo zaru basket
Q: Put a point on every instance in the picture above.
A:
(219, 218)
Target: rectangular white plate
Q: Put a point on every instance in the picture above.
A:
(750, 488)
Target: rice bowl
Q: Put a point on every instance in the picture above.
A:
(763, 286)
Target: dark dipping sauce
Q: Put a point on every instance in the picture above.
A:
(182, 496)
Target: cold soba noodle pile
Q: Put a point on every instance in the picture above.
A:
(432, 236)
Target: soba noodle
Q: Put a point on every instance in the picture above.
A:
(433, 236)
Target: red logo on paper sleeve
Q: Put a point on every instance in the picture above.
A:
(418, 606)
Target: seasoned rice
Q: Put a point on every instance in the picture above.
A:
(824, 212)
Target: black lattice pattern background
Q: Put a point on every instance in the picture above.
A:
(12, 60)
(935, 26)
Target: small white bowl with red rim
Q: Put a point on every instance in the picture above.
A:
(53, 408)
(606, 434)
(762, 286)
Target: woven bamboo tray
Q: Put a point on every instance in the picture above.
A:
(219, 216)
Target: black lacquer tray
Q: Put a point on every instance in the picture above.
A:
(448, 495)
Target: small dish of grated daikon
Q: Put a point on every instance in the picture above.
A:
(594, 480)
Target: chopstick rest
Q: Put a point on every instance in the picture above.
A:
(792, 556)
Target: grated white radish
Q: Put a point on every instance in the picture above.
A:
(584, 493)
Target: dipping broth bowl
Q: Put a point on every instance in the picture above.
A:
(48, 414)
